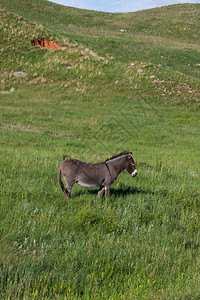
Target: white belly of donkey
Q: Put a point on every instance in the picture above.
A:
(86, 184)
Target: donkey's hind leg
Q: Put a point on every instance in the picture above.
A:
(69, 185)
(66, 194)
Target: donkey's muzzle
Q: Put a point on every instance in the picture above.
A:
(134, 173)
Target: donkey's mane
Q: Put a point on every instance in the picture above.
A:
(118, 155)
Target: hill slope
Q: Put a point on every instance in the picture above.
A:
(176, 21)
(170, 33)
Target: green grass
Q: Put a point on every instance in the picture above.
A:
(135, 91)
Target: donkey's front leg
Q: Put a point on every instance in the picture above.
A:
(107, 191)
(101, 192)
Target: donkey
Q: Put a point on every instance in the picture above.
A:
(93, 175)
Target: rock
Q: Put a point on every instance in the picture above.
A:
(20, 74)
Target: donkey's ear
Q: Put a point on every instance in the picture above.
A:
(130, 155)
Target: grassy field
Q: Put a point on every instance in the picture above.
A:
(107, 91)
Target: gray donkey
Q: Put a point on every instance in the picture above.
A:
(93, 175)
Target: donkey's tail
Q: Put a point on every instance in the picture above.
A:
(60, 180)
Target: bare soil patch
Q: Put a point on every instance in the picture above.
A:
(43, 43)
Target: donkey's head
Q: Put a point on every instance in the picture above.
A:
(130, 165)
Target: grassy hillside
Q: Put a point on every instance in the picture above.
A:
(167, 35)
(179, 22)
(106, 91)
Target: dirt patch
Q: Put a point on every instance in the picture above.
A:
(43, 43)
(35, 131)
(7, 92)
